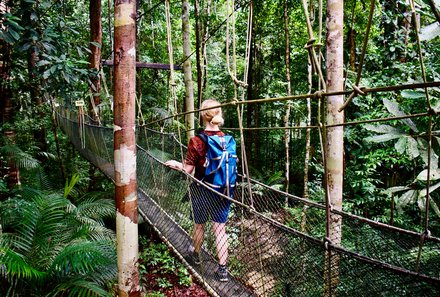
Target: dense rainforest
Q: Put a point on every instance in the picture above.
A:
(57, 211)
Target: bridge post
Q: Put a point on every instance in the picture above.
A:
(125, 147)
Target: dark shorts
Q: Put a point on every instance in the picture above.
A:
(207, 205)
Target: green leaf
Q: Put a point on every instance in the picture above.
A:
(407, 197)
(411, 94)
(412, 148)
(433, 175)
(43, 63)
(422, 193)
(424, 156)
(400, 145)
(46, 74)
(394, 109)
(383, 138)
(14, 34)
(434, 206)
(430, 32)
(383, 129)
(396, 189)
(421, 202)
(95, 44)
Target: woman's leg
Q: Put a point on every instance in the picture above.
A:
(221, 241)
(198, 236)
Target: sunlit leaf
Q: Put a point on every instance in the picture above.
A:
(412, 148)
(383, 129)
(394, 109)
(433, 175)
(431, 189)
(430, 32)
(43, 63)
(434, 158)
(421, 202)
(396, 189)
(434, 207)
(407, 197)
(411, 94)
(400, 145)
(383, 137)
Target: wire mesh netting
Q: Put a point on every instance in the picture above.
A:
(277, 241)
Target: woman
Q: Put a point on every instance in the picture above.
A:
(205, 203)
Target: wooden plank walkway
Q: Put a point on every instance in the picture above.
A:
(181, 242)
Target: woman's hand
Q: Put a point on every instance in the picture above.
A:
(174, 164)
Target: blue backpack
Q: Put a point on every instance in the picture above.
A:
(221, 162)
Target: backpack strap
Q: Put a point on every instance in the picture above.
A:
(203, 137)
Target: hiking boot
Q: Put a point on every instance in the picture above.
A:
(222, 273)
(195, 257)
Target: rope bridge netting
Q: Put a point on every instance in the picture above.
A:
(274, 250)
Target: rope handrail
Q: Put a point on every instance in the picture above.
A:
(297, 198)
(316, 95)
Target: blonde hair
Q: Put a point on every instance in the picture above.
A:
(214, 115)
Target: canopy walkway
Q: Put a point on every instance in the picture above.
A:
(272, 252)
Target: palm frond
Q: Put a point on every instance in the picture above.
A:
(82, 256)
(70, 184)
(20, 158)
(15, 266)
(49, 242)
(79, 287)
(96, 209)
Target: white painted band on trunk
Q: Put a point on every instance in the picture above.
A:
(123, 14)
(125, 164)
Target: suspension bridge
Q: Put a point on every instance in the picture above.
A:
(271, 252)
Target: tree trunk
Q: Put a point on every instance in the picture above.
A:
(334, 145)
(187, 72)
(95, 54)
(198, 30)
(309, 123)
(57, 142)
(352, 41)
(125, 147)
(204, 53)
(289, 92)
(6, 106)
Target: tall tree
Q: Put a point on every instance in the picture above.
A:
(198, 32)
(6, 106)
(95, 53)
(289, 92)
(31, 13)
(334, 145)
(125, 147)
(187, 71)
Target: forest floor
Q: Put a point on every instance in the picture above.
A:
(162, 274)
(153, 287)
